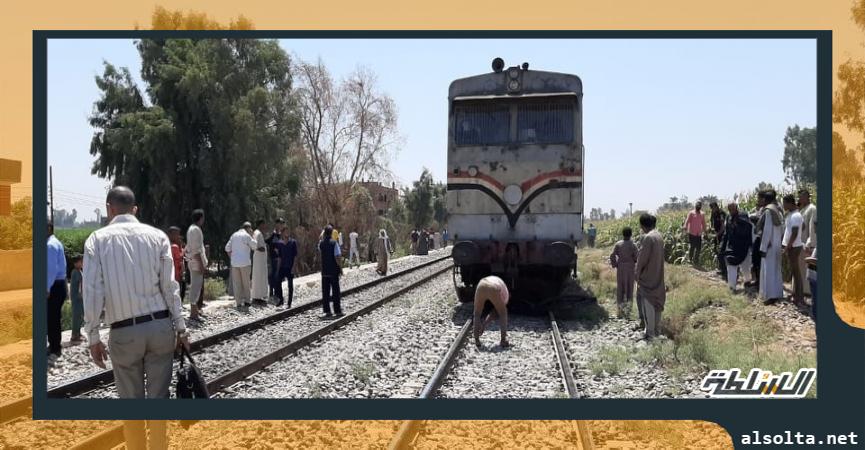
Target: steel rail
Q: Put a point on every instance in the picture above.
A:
(562, 357)
(113, 436)
(105, 378)
(409, 430)
(239, 373)
(445, 365)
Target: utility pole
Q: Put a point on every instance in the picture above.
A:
(51, 190)
(630, 209)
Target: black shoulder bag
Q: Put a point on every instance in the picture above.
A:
(190, 383)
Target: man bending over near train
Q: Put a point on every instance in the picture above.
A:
(651, 290)
(491, 289)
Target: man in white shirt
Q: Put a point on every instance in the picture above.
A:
(352, 248)
(239, 247)
(129, 276)
(196, 262)
(792, 247)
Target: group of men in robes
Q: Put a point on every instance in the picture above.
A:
(751, 245)
(793, 236)
(754, 245)
(259, 277)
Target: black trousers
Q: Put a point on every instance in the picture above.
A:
(276, 285)
(696, 243)
(330, 293)
(719, 257)
(755, 261)
(56, 297)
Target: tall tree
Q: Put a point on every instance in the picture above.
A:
(800, 155)
(440, 204)
(419, 200)
(220, 131)
(349, 130)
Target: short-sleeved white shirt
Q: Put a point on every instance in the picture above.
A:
(352, 239)
(240, 245)
(794, 219)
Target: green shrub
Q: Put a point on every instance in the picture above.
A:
(611, 360)
(214, 288)
(73, 243)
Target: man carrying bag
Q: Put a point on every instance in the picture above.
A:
(190, 382)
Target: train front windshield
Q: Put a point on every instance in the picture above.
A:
(537, 121)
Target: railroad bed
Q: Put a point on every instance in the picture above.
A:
(526, 369)
(221, 315)
(233, 353)
(390, 352)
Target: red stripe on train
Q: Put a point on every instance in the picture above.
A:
(525, 185)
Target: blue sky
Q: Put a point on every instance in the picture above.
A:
(662, 117)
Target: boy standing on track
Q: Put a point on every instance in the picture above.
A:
(623, 259)
(494, 290)
(177, 255)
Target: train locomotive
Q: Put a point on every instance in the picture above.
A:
(515, 181)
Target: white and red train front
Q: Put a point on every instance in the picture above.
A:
(515, 172)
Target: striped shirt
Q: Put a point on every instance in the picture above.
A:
(128, 272)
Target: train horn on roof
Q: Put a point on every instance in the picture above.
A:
(498, 65)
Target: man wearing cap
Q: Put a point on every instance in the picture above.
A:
(239, 247)
(129, 276)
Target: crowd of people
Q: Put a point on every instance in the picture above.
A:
(135, 278)
(425, 239)
(747, 246)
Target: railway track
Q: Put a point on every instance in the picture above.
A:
(21, 408)
(113, 436)
(412, 430)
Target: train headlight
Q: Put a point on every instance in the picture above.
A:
(514, 73)
(473, 171)
(513, 194)
(514, 85)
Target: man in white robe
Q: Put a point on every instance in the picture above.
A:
(772, 224)
(260, 286)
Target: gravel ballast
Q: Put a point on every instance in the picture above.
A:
(221, 315)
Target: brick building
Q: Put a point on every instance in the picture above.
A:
(382, 196)
(10, 173)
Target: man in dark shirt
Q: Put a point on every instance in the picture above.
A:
(719, 218)
(330, 272)
(273, 255)
(284, 249)
(414, 239)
